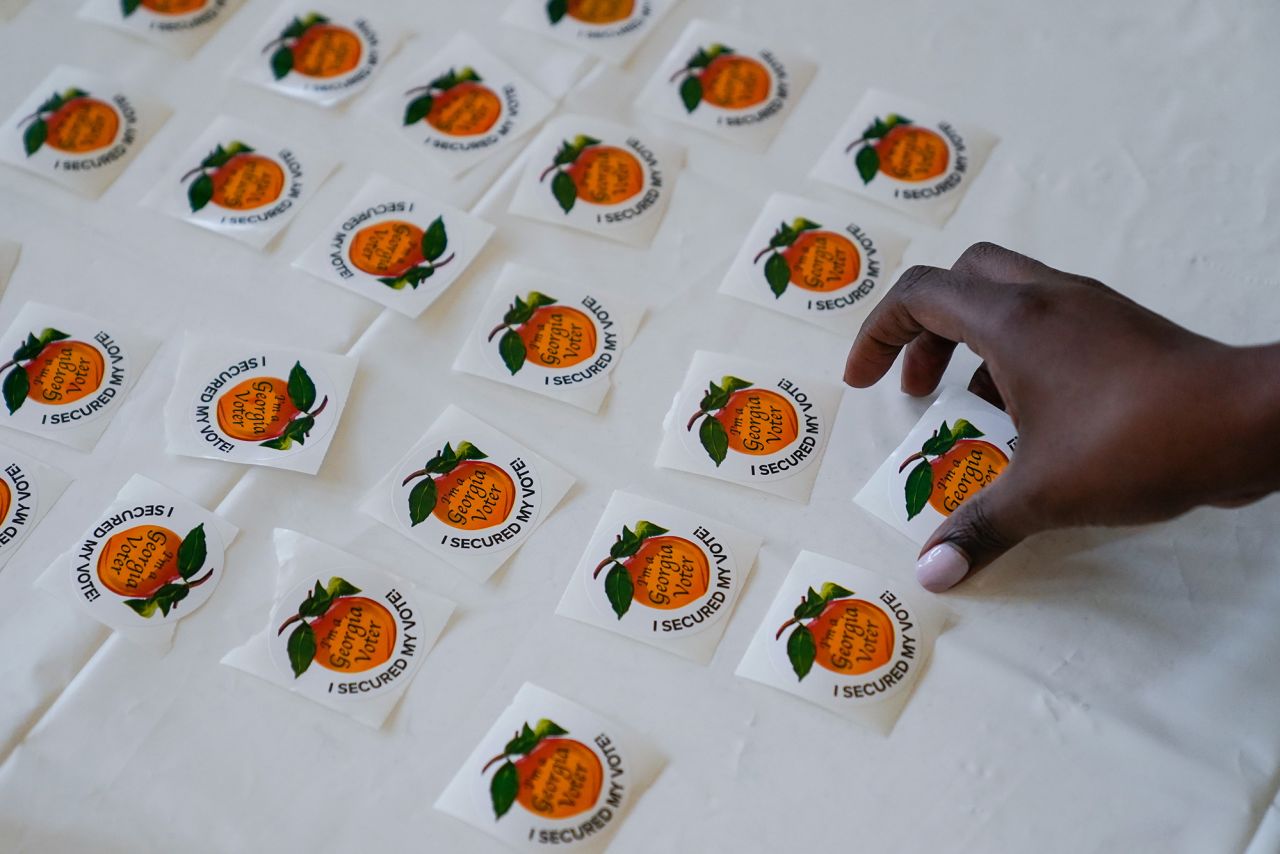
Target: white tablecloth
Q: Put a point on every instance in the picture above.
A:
(1098, 691)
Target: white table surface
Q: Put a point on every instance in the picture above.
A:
(1098, 691)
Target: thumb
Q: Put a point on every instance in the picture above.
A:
(985, 526)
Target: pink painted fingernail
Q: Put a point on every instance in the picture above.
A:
(941, 568)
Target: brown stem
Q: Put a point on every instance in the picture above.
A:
(858, 141)
(287, 623)
(760, 254)
(273, 43)
(34, 115)
(497, 329)
(602, 565)
(497, 758)
(184, 178)
(784, 627)
(8, 364)
(436, 266)
(547, 171)
(201, 580)
(909, 460)
(685, 70)
(695, 417)
(417, 474)
(321, 407)
(426, 88)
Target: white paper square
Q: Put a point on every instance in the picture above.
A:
(869, 640)
(775, 425)
(819, 263)
(378, 246)
(242, 402)
(179, 25)
(728, 83)
(79, 378)
(462, 105)
(976, 458)
(598, 176)
(930, 159)
(677, 589)
(363, 671)
(566, 349)
(133, 551)
(28, 490)
(483, 503)
(79, 129)
(256, 191)
(581, 749)
(322, 57)
(608, 29)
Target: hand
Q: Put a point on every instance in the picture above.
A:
(1123, 416)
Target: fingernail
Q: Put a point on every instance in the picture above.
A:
(941, 568)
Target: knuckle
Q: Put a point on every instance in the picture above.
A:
(978, 252)
(1028, 305)
(913, 278)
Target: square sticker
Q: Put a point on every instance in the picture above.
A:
(28, 489)
(905, 155)
(342, 632)
(258, 405)
(396, 246)
(749, 423)
(550, 337)
(608, 29)
(728, 83)
(567, 778)
(241, 182)
(323, 57)
(598, 176)
(959, 447)
(660, 574)
(815, 262)
(468, 493)
(179, 25)
(79, 129)
(462, 106)
(855, 644)
(68, 373)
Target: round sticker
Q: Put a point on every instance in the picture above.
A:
(59, 378)
(543, 341)
(19, 504)
(469, 497)
(236, 185)
(753, 432)
(664, 581)
(347, 635)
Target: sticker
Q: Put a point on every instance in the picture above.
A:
(566, 778)
(468, 493)
(727, 83)
(855, 643)
(149, 560)
(315, 56)
(240, 181)
(78, 129)
(342, 632)
(959, 447)
(67, 374)
(749, 423)
(28, 489)
(814, 262)
(660, 574)
(263, 406)
(608, 29)
(180, 25)
(463, 106)
(599, 177)
(396, 246)
(904, 155)
(549, 336)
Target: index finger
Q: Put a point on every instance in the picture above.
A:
(950, 304)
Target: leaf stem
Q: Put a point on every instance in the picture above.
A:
(686, 70)
(287, 623)
(184, 178)
(547, 171)
(201, 580)
(861, 139)
(426, 88)
(8, 364)
(275, 42)
(602, 565)
(788, 624)
(694, 419)
(497, 329)
(417, 474)
(436, 266)
(488, 764)
(320, 408)
(919, 455)
(760, 254)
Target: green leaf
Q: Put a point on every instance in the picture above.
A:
(512, 350)
(894, 119)
(645, 530)
(281, 62)
(434, 240)
(192, 552)
(801, 650)
(417, 109)
(715, 399)
(537, 299)
(831, 590)
(938, 445)
(701, 59)
(619, 588)
(35, 136)
(565, 191)
(811, 607)
(963, 429)
(316, 604)
(468, 74)
(714, 439)
(556, 10)
(16, 386)
(396, 284)
(524, 741)
(506, 783)
(144, 607)
(294, 29)
(732, 384)
(868, 163)
(801, 224)
(422, 500)
(518, 312)
(784, 236)
(128, 7)
(545, 729)
(468, 451)
(169, 596)
(48, 335)
(302, 391)
(626, 545)
(200, 192)
(283, 442)
(919, 488)
(691, 93)
(338, 587)
(302, 649)
(299, 429)
(777, 272)
(29, 349)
